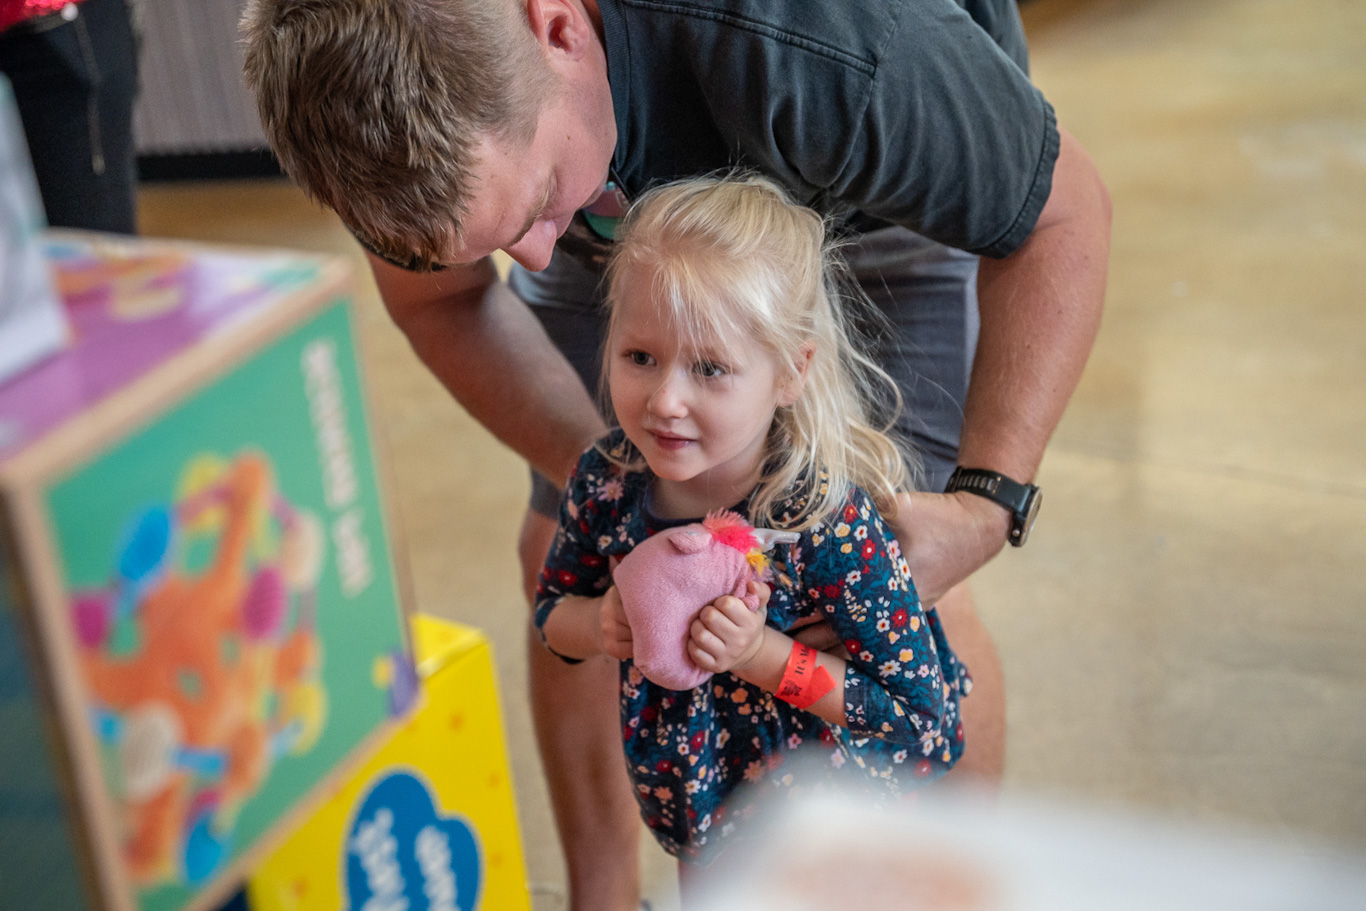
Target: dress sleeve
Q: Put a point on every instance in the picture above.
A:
(575, 565)
(894, 686)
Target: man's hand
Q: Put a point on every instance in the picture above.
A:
(727, 634)
(616, 632)
(947, 537)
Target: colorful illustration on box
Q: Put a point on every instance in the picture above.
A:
(201, 678)
(400, 852)
(110, 279)
(230, 588)
(131, 305)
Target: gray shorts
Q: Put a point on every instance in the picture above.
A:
(927, 291)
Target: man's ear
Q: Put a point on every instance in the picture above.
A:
(801, 364)
(560, 26)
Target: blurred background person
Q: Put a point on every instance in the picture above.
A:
(73, 67)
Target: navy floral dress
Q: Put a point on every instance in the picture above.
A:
(691, 753)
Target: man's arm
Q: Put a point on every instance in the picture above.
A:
(1040, 310)
(490, 352)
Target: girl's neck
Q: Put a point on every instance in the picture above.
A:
(681, 500)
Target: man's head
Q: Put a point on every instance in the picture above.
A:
(397, 113)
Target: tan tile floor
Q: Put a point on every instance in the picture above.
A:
(1187, 630)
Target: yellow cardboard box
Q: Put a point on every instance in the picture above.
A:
(430, 821)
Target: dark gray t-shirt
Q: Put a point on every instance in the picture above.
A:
(914, 112)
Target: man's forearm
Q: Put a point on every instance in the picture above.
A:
(1040, 310)
(491, 353)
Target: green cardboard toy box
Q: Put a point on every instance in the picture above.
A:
(200, 624)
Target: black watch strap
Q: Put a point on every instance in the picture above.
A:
(1021, 499)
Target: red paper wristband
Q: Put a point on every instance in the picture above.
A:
(804, 680)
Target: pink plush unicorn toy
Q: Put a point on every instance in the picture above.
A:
(666, 581)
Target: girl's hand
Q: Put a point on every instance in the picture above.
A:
(726, 635)
(616, 632)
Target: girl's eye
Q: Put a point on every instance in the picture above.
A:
(710, 370)
(639, 358)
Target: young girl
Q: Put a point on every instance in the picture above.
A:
(735, 386)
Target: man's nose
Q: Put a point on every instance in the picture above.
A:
(534, 249)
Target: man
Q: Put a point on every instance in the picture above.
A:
(442, 130)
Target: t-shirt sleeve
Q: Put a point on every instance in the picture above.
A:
(938, 130)
(894, 687)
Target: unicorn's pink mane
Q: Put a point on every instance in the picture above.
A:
(730, 529)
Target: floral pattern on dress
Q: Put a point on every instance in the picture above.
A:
(700, 759)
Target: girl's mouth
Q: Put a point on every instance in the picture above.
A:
(669, 442)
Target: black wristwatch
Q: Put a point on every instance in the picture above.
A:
(1021, 499)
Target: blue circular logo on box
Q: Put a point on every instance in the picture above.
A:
(403, 855)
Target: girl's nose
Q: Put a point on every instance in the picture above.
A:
(668, 400)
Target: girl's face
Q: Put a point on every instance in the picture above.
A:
(699, 414)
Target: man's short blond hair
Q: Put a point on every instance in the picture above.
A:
(375, 107)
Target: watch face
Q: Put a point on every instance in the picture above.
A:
(1025, 524)
(1021, 499)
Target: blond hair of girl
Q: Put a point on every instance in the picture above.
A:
(735, 262)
